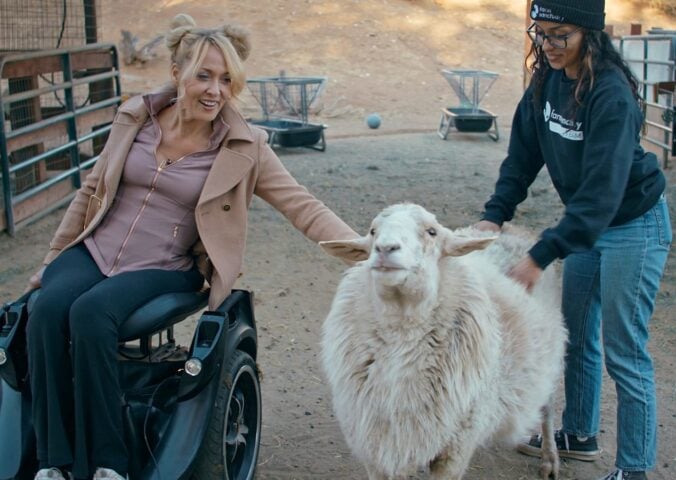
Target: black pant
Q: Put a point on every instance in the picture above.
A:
(72, 356)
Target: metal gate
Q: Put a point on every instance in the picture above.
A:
(56, 107)
(652, 58)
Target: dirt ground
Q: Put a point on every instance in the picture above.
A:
(379, 56)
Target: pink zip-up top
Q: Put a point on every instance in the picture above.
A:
(151, 223)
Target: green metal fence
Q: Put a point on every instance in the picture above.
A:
(56, 107)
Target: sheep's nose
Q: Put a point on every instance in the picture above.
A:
(393, 247)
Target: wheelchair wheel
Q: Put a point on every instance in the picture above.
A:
(230, 449)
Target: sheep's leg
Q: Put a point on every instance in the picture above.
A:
(549, 466)
(374, 473)
(451, 463)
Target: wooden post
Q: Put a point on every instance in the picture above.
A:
(610, 30)
(90, 21)
(635, 29)
(526, 45)
(673, 132)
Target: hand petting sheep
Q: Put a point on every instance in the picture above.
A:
(430, 350)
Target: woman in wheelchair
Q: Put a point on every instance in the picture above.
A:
(163, 210)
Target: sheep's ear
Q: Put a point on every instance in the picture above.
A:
(458, 245)
(354, 250)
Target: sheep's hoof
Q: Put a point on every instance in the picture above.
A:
(549, 470)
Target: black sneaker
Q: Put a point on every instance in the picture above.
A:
(620, 474)
(569, 446)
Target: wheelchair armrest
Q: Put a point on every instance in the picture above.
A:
(232, 299)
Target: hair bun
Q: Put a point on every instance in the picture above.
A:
(182, 20)
(180, 26)
(239, 37)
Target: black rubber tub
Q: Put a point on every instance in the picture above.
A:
(471, 120)
(291, 133)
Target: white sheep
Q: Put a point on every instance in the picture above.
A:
(431, 350)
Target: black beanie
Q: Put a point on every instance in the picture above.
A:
(583, 13)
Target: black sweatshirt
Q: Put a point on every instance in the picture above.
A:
(602, 174)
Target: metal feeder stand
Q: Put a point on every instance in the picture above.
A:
(285, 102)
(470, 86)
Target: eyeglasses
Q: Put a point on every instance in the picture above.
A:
(538, 36)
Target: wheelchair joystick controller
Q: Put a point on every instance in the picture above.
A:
(5, 329)
(7, 320)
(13, 355)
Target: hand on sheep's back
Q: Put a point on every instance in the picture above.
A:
(526, 272)
(486, 226)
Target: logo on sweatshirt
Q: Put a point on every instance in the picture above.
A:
(548, 112)
(565, 127)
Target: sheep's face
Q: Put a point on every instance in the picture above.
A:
(405, 241)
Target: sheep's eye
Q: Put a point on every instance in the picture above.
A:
(432, 231)
(373, 231)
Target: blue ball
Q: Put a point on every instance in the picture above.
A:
(373, 120)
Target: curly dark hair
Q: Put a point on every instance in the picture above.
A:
(598, 54)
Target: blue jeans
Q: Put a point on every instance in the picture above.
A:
(608, 299)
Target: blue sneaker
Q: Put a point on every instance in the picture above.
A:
(620, 474)
(569, 446)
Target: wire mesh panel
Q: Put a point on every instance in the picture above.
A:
(285, 102)
(48, 24)
(286, 96)
(470, 86)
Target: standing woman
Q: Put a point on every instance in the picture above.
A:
(580, 117)
(164, 208)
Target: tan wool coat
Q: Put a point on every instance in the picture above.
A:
(245, 166)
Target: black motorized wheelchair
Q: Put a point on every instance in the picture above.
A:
(189, 413)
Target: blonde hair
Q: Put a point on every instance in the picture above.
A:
(188, 45)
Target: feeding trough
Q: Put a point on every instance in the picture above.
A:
(285, 102)
(470, 86)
